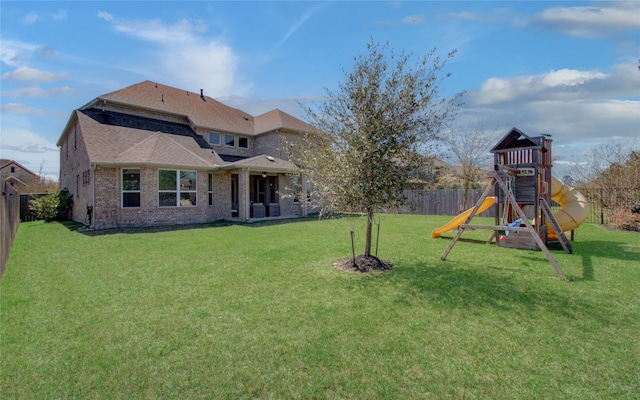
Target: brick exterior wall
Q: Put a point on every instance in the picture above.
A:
(101, 186)
(75, 173)
(109, 212)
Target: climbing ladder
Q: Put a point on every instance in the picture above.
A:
(566, 245)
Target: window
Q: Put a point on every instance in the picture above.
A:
(214, 138)
(210, 188)
(13, 169)
(86, 178)
(177, 188)
(309, 189)
(296, 189)
(130, 188)
(230, 140)
(234, 189)
(243, 142)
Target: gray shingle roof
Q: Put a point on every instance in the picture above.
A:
(115, 144)
(203, 111)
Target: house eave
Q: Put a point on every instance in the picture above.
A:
(118, 164)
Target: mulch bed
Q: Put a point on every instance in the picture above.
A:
(363, 264)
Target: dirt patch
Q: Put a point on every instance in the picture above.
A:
(363, 264)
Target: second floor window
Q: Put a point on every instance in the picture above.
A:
(214, 138)
(230, 140)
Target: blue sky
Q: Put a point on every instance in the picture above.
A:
(567, 68)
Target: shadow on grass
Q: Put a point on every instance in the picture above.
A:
(587, 250)
(261, 223)
(474, 287)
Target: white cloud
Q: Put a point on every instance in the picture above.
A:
(591, 21)
(581, 109)
(20, 108)
(36, 92)
(25, 73)
(34, 17)
(256, 107)
(105, 16)
(31, 18)
(30, 149)
(562, 84)
(189, 59)
(299, 23)
(14, 52)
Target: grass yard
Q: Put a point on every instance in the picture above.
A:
(258, 311)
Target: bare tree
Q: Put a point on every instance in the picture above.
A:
(610, 177)
(469, 149)
(371, 131)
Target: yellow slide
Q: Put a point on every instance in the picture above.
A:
(459, 219)
(574, 207)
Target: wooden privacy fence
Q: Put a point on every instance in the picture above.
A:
(9, 221)
(449, 202)
(441, 202)
(26, 213)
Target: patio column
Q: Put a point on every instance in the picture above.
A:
(243, 198)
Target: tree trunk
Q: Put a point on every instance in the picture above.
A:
(464, 194)
(367, 247)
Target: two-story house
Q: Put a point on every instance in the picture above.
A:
(151, 154)
(18, 176)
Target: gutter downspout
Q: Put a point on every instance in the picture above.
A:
(93, 194)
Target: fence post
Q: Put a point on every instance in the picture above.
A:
(9, 221)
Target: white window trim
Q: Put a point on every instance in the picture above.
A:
(238, 140)
(177, 191)
(219, 137)
(122, 191)
(234, 140)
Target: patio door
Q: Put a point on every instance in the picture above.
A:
(264, 196)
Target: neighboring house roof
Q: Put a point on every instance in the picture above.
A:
(201, 110)
(6, 162)
(16, 180)
(119, 139)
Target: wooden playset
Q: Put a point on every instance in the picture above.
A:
(521, 187)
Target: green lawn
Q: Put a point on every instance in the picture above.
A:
(258, 311)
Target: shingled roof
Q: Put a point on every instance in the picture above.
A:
(202, 110)
(119, 139)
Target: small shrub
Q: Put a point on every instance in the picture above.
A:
(53, 207)
(45, 207)
(626, 219)
(65, 204)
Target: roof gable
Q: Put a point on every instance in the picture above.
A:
(263, 163)
(6, 163)
(277, 119)
(515, 139)
(203, 111)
